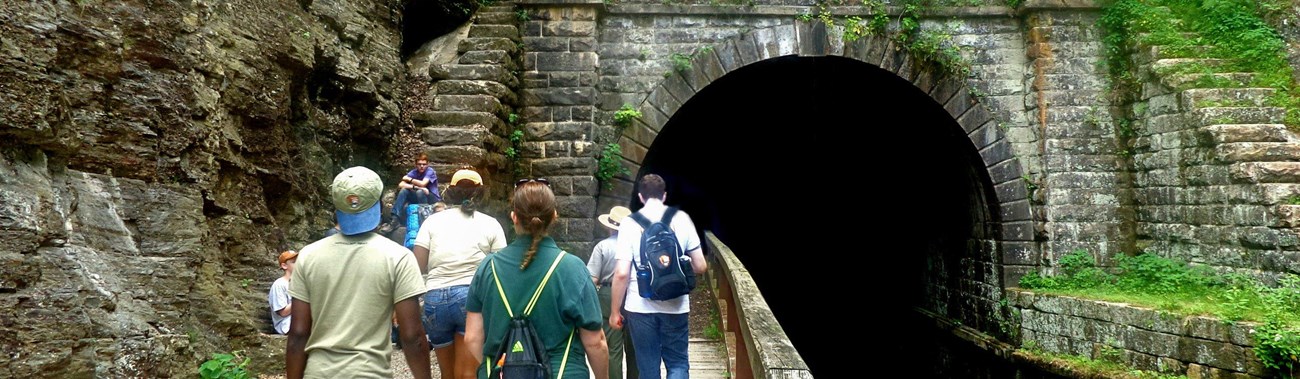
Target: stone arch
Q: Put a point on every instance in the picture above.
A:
(1011, 211)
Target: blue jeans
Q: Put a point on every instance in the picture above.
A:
(660, 336)
(444, 314)
(409, 196)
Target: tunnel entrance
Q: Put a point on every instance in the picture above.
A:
(841, 187)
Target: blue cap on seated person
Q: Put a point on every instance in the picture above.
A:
(355, 194)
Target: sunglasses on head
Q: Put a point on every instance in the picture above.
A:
(539, 180)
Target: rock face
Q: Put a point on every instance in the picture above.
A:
(158, 155)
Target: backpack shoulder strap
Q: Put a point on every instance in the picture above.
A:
(668, 215)
(567, 348)
(501, 290)
(640, 219)
(645, 225)
(538, 293)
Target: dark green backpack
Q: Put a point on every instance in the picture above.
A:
(522, 354)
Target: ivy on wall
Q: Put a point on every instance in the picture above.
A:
(609, 164)
(923, 44)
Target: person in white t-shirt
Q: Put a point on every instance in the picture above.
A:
(659, 329)
(448, 248)
(281, 303)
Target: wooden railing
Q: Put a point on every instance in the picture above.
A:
(762, 350)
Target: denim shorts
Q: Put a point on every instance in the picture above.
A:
(444, 314)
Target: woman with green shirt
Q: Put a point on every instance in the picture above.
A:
(567, 305)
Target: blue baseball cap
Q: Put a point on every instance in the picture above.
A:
(355, 194)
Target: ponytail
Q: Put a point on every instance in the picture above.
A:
(534, 209)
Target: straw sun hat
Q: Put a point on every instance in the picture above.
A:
(614, 217)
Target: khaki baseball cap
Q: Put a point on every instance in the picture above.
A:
(355, 193)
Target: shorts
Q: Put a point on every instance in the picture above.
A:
(444, 314)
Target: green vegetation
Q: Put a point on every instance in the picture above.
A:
(610, 162)
(1226, 36)
(1030, 186)
(1108, 365)
(610, 165)
(713, 330)
(514, 150)
(224, 366)
(682, 62)
(1176, 287)
(625, 115)
(923, 44)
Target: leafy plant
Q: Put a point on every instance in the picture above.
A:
(714, 329)
(805, 16)
(625, 115)
(1029, 182)
(680, 62)
(522, 15)
(924, 45)
(225, 366)
(516, 137)
(610, 165)
(245, 282)
(1278, 346)
(513, 151)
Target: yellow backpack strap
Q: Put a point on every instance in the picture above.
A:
(502, 291)
(565, 361)
(529, 310)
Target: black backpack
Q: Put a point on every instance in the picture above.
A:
(664, 272)
(522, 354)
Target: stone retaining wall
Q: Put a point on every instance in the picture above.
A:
(1146, 339)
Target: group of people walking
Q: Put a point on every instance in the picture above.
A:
(346, 287)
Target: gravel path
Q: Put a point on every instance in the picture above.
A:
(402, 371)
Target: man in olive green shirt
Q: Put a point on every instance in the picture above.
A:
(345, 289)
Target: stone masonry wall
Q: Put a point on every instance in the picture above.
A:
(1215, 171)
(1146, 339)
(1083, 186)
(635, 46)
(558, 105)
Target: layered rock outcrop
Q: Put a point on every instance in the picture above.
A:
(157, 155)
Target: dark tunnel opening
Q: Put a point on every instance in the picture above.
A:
(831, 179)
